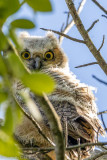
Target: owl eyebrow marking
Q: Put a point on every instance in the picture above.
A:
(27, 50)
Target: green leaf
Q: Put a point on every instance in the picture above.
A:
(13, 37)
(3, 41)
(3, 70)
(8, 145)
(23, 23)
(39, 83)
(9, 149)
(40, 5)
(18, 69)
(7, 8)
(8, 125)
(3, 97)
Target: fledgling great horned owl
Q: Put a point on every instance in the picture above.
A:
(72, 100)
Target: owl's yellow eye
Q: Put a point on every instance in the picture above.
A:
(49, 55)
(25, 55)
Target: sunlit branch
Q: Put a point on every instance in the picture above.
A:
(70, 25)
(103, 112)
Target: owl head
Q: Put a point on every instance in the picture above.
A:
(41, 52)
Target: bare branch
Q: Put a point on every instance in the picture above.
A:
(102, 112)
(66, 131)
(99, 5)
(70, 25)
(102, 43)
(104, 16)
(97, 156)
(101, 81)
(85, 65)
(30, 117)
(103, 121)
(62, 27)
(92, 25)
(62, 34)
(71, 147)
(55, 125)
(86, 37)
(87, 144)
(79, 149)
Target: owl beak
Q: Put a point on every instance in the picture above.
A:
(38, 63)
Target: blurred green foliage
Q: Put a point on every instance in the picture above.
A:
(11, 67)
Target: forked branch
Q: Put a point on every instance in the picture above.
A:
(86, 37)
(71, 23)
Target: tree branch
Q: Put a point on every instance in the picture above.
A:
(70, 25)
(85, 65)
(86, 37)
(103, 121)
(101, 81)
(55, 125)
(99, 5)
(71, 147)
(30, 117)
(62, 34)
(92, 25)
(102, 43)
(96, 156)
(104, 16)
(102, 112)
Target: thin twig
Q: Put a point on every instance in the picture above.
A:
(67, 19)
(69, 148)
(92, 25)
(102, 112)
(62, 27)
(30, 117)
(101, 81)
(86, 37)
(99, 5)
(62, 34)
(98, 133)
(98, 155)
(70, 25)
(104, 16)
(103, 121)
(66, 131)
(79, 149)
(102, 43)
(85, 65)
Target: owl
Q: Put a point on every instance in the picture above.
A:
(72, 100)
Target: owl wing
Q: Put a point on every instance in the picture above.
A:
(76, 101)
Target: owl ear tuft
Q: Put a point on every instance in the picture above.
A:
(50, 34)
(24, 34)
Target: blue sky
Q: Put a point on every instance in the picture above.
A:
(77, 53)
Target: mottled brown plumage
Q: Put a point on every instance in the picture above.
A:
(71, 99)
